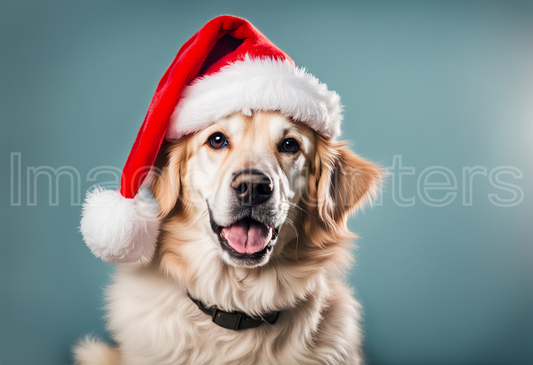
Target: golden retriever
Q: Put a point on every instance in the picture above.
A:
(254, 215)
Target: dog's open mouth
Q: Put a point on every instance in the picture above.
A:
(247, 236)
(247, 241)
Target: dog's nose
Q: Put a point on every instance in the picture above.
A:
(252, 188)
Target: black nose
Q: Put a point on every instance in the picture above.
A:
(252, 187)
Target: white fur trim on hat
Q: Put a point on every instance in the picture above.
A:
(257, 84)
(117, 229)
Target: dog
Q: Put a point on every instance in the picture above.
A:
(254, 211)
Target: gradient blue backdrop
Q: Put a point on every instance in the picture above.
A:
(439, 83)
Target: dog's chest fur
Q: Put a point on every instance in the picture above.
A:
(154, 322)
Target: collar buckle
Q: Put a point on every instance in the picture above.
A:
(225, 319)
(234, 320)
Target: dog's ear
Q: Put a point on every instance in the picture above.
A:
(340, 182)
(167, 185)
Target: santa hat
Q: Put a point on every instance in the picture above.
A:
(227, 66)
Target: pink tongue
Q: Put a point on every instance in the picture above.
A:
(247, 239)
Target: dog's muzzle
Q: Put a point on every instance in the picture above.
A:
(252, 230)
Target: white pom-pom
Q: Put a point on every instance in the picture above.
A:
(117, 229)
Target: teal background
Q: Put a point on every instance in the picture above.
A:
(439, 83)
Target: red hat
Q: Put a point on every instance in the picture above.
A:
(227, 66)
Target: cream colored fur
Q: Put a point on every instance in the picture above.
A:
(149, 314)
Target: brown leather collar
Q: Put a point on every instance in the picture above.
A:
(234, 320)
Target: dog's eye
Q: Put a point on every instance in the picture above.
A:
(289, 145)
(218, 140)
